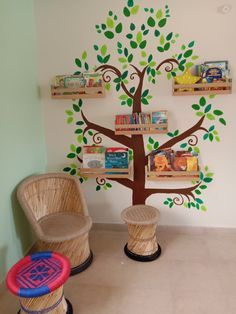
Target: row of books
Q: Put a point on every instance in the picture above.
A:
(169, 160)
(78, 81)
(102, 157)
(158, 117)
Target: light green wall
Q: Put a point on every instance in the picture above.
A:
(22, 150)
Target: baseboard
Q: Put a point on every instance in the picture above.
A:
(168, 229)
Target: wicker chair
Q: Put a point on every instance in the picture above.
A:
(57, 211)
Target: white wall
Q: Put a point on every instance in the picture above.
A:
(67, 28)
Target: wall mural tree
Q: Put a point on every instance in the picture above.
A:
(129, 79)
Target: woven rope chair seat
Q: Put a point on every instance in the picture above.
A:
(140, 215)
(64, 226)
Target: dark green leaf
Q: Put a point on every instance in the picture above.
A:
(196, 107)
(144, 101)
(78, 62)
(145, 93)
(98, 188)
(78, 150)
(211, 137)
(106, 59)
(160, 49)
(222, 121)
(205, 136)
(81, 180)
(96, 47)
(79, 123)
(109, 34)
(151, 140)
(118, 87)
(71, 155)
(207, 180)
(183, 145)
(78, 131)
(166, 203)
(198, 192)
(162, 23)
(100, 59)
(73, 172)
(151, 22)
(203, 187)
(86, 66)
(169, 36)
(130, 58)
(132, 27)
(85, 140)
(167, 46)
(67, 169)
(208, 108)
(143, 44)
(156, 145)
(211, 128)
(119, 28)
(157, 33)
(129, 36)
(218, 112)
(129, 102)
(126, 12)
(130, 3)
(133, 44)
(76, 108)
(188, 53)
(199, 201)
(202, 101)
(191, 44)
(104, 26)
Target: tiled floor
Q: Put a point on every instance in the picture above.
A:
(196, 274)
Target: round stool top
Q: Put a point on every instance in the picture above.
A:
(38, 274)
(140, 214)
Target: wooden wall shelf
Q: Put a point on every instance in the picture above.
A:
(106, 173)
(136, 129)
(202, 88)
(75, 93)
(173, 175)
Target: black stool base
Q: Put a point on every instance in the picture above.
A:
(82, 267)
(142, 258)
(69, 308)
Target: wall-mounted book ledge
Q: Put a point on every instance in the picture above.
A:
(142, 123)
(79, 92)
(173, 175)
(202, 88)
(106, 173)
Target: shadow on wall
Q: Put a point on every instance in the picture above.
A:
(3, 257)
(23, 230)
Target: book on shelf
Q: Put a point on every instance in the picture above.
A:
(168, 160)
(117, 158)
(94, 156)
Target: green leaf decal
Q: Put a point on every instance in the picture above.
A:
(222, 121)
(210, 116)
(162, 23)
(119, 28)
(202, 101)
(218, 112)
(196, 107)
(207, 109)
(126, 12)
(76, 108)
(151, 22)
(104, 50)
(188, 53)
(84, 55)
(71, 155)
(110, 22)
(78, 62)
(130, 3)
(133, 44)
(143, 44)
(135, 10)
(159, 14)
(109, 34)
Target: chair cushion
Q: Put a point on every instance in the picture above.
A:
(64, 226)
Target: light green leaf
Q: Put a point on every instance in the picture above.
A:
(73, 148)
(135, 10)
(104, 50)
(162, 40)
(69, 120)
(84, 55)
(159, 14)
(139, 37)
(110, 22)
(210, 116)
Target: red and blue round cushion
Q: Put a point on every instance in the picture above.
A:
(38, 274)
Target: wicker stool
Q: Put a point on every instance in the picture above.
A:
(142, 244)
(38, 282)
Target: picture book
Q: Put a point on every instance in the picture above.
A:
(116, 157)
(94, 157)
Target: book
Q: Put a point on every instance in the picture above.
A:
(117, 157)
(94, 156)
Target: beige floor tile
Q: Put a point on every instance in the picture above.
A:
(222, 247)
(199, 303)
(140, 301)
